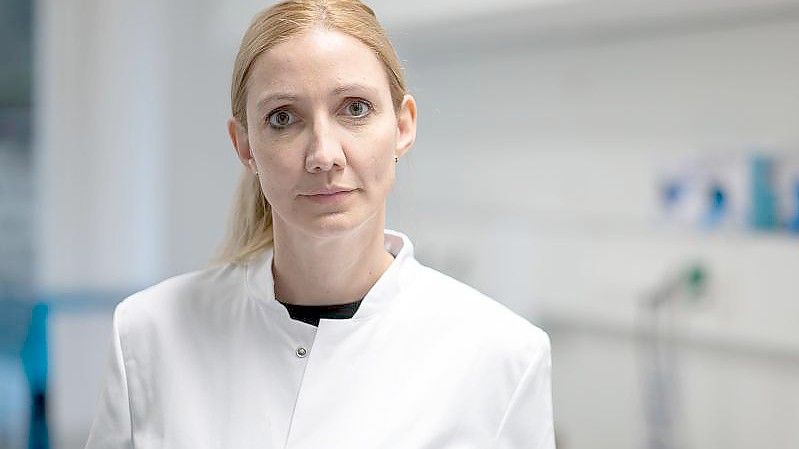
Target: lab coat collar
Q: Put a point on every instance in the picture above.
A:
(261, 283)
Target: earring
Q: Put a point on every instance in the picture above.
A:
(252, 164)
(396, 159)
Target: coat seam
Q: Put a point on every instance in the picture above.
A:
(125, 374)
(528, 372)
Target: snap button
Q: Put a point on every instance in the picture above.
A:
(301, 352)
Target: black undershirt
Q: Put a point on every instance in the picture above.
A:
(312, 314)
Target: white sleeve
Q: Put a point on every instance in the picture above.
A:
(528, 422)
(111, 428)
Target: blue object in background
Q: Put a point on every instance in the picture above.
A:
(34, 361)
(793, 223)
(24, 355)
(671, 194)
(23, 340)
(763, 211)
(717, 205)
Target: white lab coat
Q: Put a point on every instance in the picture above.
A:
(210, 359)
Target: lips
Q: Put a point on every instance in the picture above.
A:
(328, 195)
(328, 191)
(329, 198)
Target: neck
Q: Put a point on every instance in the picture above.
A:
(313, 270)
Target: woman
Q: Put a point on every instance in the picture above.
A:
(320, 329)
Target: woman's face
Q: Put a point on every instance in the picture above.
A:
(320, 119)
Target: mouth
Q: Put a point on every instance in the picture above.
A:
(330, 197)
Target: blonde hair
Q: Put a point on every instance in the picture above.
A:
(250, 226)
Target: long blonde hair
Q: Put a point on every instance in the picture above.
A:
(250, 226)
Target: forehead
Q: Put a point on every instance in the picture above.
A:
(314, 63)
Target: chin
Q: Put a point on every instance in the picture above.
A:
(333, 225)
(328, 224)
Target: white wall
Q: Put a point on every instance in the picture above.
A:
(567, 142)
(99, 143)
(556, 146)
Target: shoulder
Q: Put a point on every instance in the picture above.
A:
(474, 316)
(180, 297)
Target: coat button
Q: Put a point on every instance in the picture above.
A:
(301, 352)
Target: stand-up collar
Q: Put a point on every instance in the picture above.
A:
(261, 283)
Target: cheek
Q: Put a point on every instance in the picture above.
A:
(275, 177)
(382, 158)
(274, 157)
(267, 187)
(382, 166)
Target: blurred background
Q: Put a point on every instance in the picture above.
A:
(624, 174)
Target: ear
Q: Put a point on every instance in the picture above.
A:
(241, 143)
(406, 125)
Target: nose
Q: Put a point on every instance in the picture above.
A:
(324, 151)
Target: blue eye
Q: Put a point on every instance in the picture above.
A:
(358, 108)
(281, 119)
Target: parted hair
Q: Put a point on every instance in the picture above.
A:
(250, 224)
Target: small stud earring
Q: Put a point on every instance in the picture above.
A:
(396, 159)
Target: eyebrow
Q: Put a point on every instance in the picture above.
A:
(352, 87)
(275, 97)
(343, 89)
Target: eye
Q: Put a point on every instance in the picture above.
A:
(281, 119)
(358, 108)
